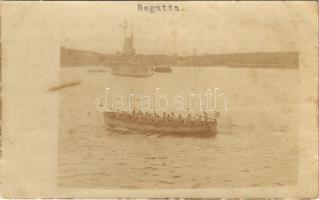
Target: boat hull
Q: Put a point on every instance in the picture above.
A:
(133, 71)
(162, 69)
(203, 130)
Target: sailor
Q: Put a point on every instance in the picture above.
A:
(199, 119)
(136, 115)
(180, 118)
(172, 116)
(150, 117)
(205, 117)
(158, 118)
(189, 118)
(118, 113)
(140, 115)
(168, 118)
(164, 117)
(154, 117)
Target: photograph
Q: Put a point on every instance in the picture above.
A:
(153, 102)
(159, 99)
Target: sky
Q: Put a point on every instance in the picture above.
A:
(203, 27)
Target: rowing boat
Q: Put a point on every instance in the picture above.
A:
(203, 129)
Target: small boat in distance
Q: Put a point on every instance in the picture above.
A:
(132, 70)
(62, 86)
(178, 128)
(162, 69)
(97, 70)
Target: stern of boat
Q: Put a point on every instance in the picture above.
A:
(213, 127)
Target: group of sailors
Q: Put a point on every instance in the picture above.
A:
(164, 117)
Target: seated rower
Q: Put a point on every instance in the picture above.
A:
(163, 117)
(180, 119)
(205, 117)
(168, 118)
(118, 114)
(133, 113)
(189, 118)
(140, 116)
(199, 119)
(154, 117)
(173, 117)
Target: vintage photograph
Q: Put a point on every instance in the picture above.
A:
(159, 99)
(179, 100)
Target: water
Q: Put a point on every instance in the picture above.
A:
(256, 144)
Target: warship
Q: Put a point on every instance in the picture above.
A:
(130, 65)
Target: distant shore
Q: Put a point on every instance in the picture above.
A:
(283, 60)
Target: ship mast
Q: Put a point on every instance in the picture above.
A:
(128, 42)
(125, 29)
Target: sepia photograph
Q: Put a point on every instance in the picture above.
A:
(151, 96)
(162, 106)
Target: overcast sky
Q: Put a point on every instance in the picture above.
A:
(214, 27)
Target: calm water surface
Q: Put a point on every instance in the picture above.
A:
(256, 144)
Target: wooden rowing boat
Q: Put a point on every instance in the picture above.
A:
(204, 129)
